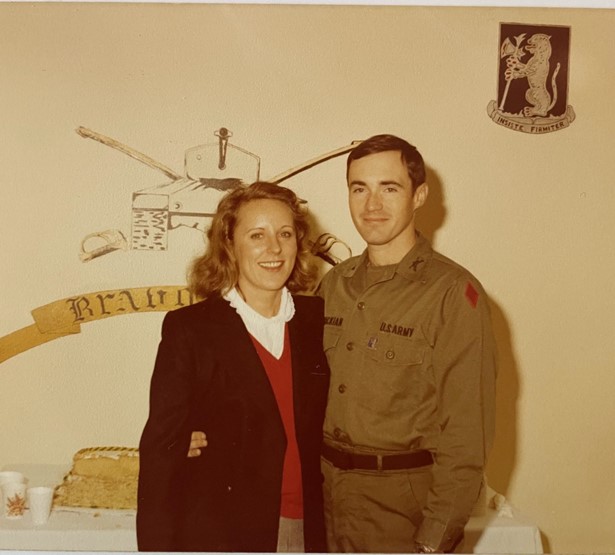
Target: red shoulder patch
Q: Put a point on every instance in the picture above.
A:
(471, 295)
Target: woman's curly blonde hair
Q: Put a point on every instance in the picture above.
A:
(216, 270)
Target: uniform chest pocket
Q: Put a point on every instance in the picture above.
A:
(331, 337)
(398, 351)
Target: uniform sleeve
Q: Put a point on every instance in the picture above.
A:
(164, 443)
(464, 366)
(321, 290)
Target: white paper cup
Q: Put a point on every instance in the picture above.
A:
(13, 499)
(11, 476)
(39, 502)
(7, 476)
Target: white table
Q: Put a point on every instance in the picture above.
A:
(66, 529)
(71, 531)
(492, 531)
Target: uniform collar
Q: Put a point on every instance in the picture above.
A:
(359, 262)
(411, 266)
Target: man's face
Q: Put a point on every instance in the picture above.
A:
(382, 202)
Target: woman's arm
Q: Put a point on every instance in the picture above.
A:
(162, 449)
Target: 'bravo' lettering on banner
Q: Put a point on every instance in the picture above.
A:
(64, 317)
(111, 303)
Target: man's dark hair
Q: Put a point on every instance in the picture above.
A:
(384, 143)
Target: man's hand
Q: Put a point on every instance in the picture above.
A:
(198, 440)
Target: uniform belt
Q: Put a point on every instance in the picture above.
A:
(345, 460)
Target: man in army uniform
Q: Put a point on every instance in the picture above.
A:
(408, 337)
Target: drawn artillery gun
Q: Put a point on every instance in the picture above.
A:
(210, 170)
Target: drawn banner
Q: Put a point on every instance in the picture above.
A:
(64, 317)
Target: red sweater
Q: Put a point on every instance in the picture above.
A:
(281, 378)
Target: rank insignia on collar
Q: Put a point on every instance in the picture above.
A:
(371, 342)
(414, 266)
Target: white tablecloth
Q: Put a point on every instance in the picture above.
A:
(68, 531)
(501, 530)
(492, 533)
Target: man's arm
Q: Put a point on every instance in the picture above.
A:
(322, 286)
(464, 365)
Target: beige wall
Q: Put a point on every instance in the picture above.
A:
(531, 216)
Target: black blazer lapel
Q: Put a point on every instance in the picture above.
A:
(244, 362)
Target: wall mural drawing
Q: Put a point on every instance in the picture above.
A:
(533, 79)
(189, 200)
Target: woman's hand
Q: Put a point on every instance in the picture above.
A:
(198, 440)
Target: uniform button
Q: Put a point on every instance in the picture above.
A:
(361, 305)
(390, 355)
(337, 433)
(341, 388)
(350, 346)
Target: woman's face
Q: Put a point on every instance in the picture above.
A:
(264, 245)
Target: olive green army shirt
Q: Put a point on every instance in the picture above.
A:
(412, 361)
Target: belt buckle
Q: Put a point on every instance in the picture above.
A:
(379, 463)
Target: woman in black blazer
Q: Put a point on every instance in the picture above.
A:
(246, 366)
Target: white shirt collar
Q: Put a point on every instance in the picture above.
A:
(269, 332)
